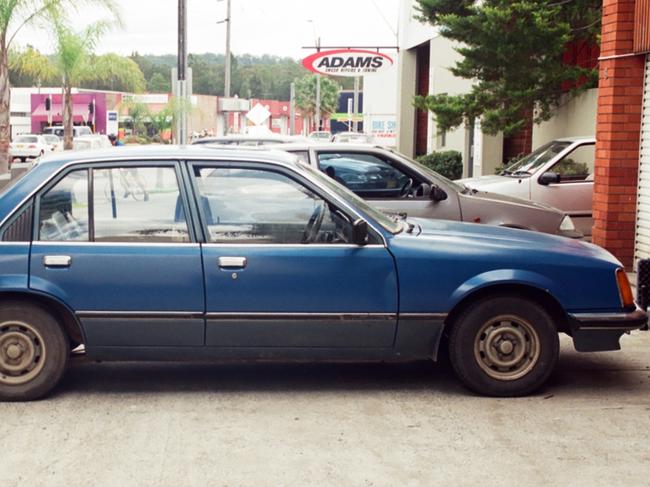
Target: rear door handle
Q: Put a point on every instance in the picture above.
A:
(57, 261)
(232, 262)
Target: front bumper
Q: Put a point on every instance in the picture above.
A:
(600, 332)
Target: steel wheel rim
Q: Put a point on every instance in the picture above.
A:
(507, 347)
(22, 353)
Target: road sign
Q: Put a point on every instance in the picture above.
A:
(258, 114)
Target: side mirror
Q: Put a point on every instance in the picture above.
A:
(549, 178)
(437, 194)
(360, 232)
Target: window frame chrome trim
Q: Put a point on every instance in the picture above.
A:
(184, 162)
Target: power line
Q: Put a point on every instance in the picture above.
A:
(381, 14)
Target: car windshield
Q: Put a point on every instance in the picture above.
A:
(530, 163)
(391, 225)
(51, 139)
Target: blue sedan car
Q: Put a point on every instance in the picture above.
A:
(181, 254)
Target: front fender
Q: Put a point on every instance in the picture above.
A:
(502, 276)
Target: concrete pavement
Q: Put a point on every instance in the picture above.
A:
(366, 425)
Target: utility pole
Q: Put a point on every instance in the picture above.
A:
(180, 85)
(317, 114)
(228, 67)
(292, 110)
(356, 104)
(228, 74)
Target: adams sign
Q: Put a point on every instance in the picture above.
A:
(347, 62)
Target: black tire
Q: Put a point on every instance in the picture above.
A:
(42, 348)
(504, 346)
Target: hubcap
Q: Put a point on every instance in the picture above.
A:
(22, 353)
(507, 347)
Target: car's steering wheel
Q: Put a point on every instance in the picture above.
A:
(406, 189)
(314, 224)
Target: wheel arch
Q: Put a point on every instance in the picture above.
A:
(61, 312)
(522, 290)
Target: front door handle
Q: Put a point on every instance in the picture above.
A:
(57, 261)
(232, 262)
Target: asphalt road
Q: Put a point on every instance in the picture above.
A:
(358, 425)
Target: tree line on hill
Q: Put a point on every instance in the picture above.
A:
(265, 77)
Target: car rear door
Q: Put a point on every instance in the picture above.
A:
(111, 241)
(279, 268)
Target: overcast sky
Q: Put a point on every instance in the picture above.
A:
(279, 27)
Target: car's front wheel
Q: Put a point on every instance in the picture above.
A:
(33, 352)
(504, 346)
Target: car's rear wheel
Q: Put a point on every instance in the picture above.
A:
(33, 352)
(504, 346)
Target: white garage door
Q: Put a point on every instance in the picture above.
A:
(642, 247)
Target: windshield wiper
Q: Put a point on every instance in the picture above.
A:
(522, 173)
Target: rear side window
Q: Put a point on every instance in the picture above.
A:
(64, 210)
(138, 204)
(123, 204)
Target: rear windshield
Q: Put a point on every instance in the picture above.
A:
(25, 139)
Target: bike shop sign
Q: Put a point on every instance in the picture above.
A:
(347, 62)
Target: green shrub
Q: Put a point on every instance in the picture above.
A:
(448, 163)
(136, 140)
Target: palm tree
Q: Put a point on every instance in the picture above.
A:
(14, 15)
(73, 62)
(306, 96)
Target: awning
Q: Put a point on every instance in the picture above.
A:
(79, 110)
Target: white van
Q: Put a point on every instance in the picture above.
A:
(58, 130)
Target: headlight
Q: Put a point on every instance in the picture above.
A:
(567, 225)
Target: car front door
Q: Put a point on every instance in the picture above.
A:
(573, 193)
(279, 267)
(387, 184)
(112, 243)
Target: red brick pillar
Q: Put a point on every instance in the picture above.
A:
(618, 132)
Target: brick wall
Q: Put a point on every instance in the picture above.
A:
(618, 132)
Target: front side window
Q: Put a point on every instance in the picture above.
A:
(64, 210)
(365, 174)
(577, 165)
(265, 207)
(138, 204)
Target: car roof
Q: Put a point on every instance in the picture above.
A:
(581, 138)
(328, 146)
(240, 137)
(16, 194)
(166, 152)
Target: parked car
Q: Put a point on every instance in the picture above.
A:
(30, 146)
(560, 174)
(321, 136)
(250, 140)
(54, 142)
(88, 142)
(252, 255)
(353, 138)
(396, 184)
(59, 131)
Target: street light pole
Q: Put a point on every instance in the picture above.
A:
(317, 114)
(181, 90)
(228, 67)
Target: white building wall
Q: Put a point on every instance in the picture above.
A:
(380, 105)
(574, 118)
